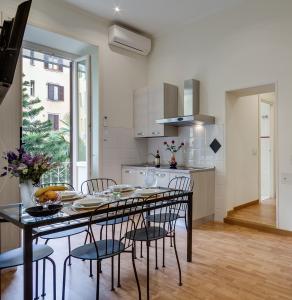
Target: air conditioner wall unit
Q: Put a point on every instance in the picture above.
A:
(124, 38)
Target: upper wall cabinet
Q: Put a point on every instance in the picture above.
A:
(151, 104)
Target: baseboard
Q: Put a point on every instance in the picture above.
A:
(258, 226)
(203, 220)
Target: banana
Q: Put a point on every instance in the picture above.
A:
(41, 191)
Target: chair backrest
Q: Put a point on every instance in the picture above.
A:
(114, 237)
(95, 185)
(65, 184)
(181, 183)
(166, 211)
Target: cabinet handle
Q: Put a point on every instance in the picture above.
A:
(140, 133)
(127, 171)
(142, 173)
(155, 132)
(161, 175)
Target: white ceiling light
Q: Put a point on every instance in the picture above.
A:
(117, 9)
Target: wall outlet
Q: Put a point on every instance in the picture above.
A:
(286, 178)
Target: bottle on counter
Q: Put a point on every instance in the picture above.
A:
(157, 160)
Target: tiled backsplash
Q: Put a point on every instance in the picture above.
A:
(120, 147)
(197, 151)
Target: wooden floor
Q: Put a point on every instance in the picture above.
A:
(262, 213)
(229, 262)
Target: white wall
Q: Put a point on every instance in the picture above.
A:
(10, 139)
(120, 72)
(242, 122)
(247, 46)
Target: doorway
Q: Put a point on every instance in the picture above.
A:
(250, 135)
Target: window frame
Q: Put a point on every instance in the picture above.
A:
(54, 115)
(61, 92)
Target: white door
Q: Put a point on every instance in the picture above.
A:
(266, 157)
(81, 142)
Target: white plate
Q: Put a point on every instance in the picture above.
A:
(121, 188)
(147, 192)
(71, 195)
(90, 201)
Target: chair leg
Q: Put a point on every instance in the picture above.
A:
(156, 260)
(44, 279)
(171, 244)
(100, 238)
(36, 280)
(148, 283)
(135, 271)
(135, 251)
(177, 259)
(97, 280)
(141, 250)
(64, 278)
(54, 278)
(69, 247)
(113, 262)
(44, 274)
(119, 270)
(90, 269)
(163, 252)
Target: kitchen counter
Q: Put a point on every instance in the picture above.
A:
(180, 169)
(203, 178)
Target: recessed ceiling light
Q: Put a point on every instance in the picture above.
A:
(117, 9)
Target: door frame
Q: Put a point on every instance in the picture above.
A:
(272, 156)
(88, 162)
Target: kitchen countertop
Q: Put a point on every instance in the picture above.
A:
(180, 169)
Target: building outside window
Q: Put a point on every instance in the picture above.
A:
(53, 63)
(55, 92)
(55, 119)
(32, 88)
(31, 57)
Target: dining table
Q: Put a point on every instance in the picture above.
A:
(69, 218)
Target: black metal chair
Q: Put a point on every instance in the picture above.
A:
(65, 233)
(166, 212)
(114, 242)
(182, 183)
(59, 235)
(97, 185)
(14, 258)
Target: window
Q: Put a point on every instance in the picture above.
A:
(54, 118)
(31, 57)
(55, 92)
(53, 63)
(32, 88)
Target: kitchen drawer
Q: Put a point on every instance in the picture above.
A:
(162, 178)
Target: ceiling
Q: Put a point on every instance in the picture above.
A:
(155, 17)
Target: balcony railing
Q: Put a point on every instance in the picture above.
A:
(61, 174)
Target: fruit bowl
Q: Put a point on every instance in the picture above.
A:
(48, 198)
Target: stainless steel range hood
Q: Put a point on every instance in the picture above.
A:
(191, 110)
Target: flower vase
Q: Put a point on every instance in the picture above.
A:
(172, 163)
(26, 193)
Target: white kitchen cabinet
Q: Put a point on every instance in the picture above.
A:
(151, 104)
(162, 178)
(141, 112)
(135, 177)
